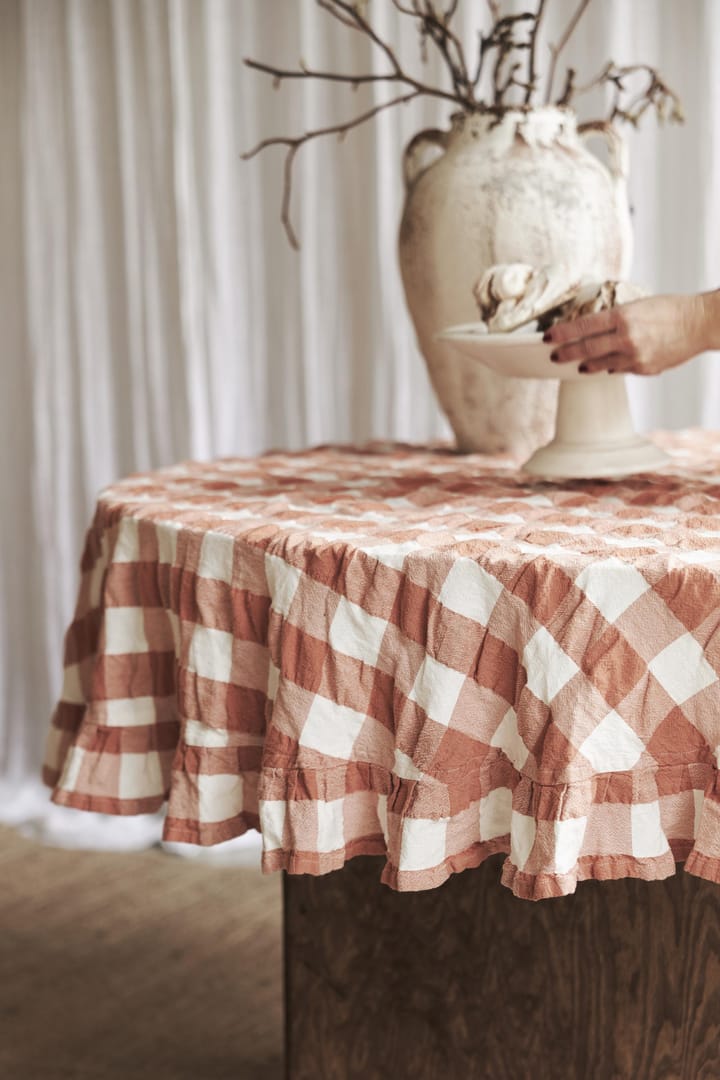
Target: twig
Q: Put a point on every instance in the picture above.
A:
(502, 39)
(294, 143)
(568, 89)
(327, 5)
(656, 93)
(555, 50)
(437, 28)
(350, 15)
(304, 72)
(443, 37)
(531, 81)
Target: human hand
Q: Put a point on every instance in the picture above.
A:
(644, 337)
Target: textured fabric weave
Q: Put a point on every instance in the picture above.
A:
(404, 651)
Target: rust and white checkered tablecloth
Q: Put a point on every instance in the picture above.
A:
(400, 651)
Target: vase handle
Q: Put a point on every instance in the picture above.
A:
(617, 147)
(414, 159)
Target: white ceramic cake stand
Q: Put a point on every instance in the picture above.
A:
(594, 433)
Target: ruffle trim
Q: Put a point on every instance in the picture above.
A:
(554, 836)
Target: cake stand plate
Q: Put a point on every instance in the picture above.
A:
(594, 433)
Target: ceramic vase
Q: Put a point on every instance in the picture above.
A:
(521, 186)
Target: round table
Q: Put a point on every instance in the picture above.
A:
(402, 651)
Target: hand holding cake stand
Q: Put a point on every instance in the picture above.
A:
(594, 433)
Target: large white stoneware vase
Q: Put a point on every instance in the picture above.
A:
(521, 187)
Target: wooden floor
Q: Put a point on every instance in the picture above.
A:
(619, 982)
(142, 966)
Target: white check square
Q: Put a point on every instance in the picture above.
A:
(140, 776)
(331, 728)
(648, 835)
(496, 814)
(210, 654)
(569, 836)
(216, 557)
(331, 825)
(220, 797)
(195, 733)
(283, 581)
(508, 739)
(127, 545)
(167, 534)
(612, 586)
(272, 823)
(681, 669)
(436, 689)
(125, 631)
(423, 843)
(548, 667)
(522, 838)
(130, 712)
(613, 746)
(356, 633)
(470, 590)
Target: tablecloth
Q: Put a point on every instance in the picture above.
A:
(404, 651)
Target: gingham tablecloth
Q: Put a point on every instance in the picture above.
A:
(402, 651)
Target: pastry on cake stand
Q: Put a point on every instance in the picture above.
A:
(594, 433)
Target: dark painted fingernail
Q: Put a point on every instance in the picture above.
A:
(583, 368)
(554, 357)
(547, 336)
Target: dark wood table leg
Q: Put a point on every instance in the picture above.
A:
(619, 982)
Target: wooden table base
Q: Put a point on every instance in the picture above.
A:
(619, 982)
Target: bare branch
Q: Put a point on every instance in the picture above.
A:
(294, 143)
(555, 50)
(531, 80)
(350, 15)
(655, 94)
(446, 42)
(502, 39)
(304, 72)
(327, 5)
(436, 27)
(569, 88)
(356, 20)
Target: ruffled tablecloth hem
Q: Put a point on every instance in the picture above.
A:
(703, 866)
(544, 886)
(207, 834)
(525, 886)
(100, 804)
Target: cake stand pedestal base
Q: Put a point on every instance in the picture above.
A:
(594, 434)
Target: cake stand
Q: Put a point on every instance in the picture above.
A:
(594, 433)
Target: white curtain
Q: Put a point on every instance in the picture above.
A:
(152, 309)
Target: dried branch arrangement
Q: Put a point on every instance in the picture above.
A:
(508, 49)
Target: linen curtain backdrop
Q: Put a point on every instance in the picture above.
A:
(152, 310)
